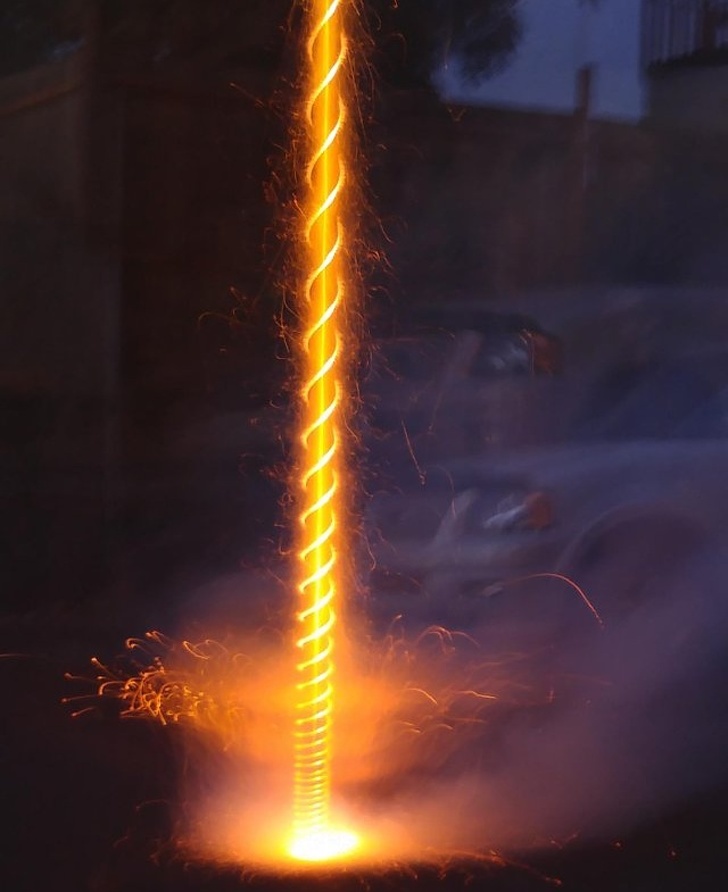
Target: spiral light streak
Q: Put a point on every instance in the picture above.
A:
(322, 343)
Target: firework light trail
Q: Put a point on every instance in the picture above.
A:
(322, 299)
(411, 708)
(405, 709)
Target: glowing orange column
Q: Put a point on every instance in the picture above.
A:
(321, 308)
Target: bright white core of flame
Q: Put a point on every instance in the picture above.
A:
(325, 845)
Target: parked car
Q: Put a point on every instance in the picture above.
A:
(628, 486)
(469, 379)
(619, 521)
(449, 392)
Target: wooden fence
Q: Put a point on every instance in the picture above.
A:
(681, 30)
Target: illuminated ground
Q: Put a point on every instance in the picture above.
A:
(90, 802)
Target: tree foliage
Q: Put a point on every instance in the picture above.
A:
(34, 31)
(411, 38)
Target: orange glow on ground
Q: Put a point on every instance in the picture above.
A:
(322, 342)
(412, 707)
(327, 846)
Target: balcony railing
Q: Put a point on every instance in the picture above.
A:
(683, 30)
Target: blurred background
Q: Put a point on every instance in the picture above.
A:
(543, 378)
(570, 150)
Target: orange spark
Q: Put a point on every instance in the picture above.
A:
(323, 295)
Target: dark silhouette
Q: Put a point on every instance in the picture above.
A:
(412, 37)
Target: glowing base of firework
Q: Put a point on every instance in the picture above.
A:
(327, 845)
(408, 707)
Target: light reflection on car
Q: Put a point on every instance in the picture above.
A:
(619, 484)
